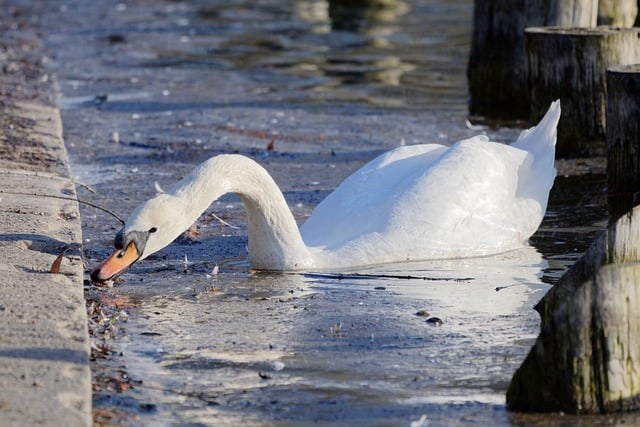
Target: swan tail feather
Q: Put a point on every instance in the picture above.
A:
(540, 140)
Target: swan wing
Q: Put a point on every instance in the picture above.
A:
(363, 202)
(467, 204)
(431, 201)
(461, 201)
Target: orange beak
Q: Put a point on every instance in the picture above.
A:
(115, 264)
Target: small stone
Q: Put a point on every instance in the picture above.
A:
(434, 321)
(264, 375)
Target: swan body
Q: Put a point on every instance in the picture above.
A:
(418, 202)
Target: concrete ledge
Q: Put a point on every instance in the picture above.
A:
(45, 377)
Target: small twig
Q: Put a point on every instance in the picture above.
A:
(93, 205)
(340, 276)
(223, 222)
(86, 187)
(499, 288)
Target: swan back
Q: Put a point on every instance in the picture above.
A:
(431, 201)
(365, 200)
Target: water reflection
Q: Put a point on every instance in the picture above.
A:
(354, 50)
(346, 348)
(495, 285)
(201, 77)
(367, 15)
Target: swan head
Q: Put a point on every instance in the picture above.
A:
(151, 227)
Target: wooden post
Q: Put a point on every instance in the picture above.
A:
(623, 139)
(619, 244)
(586, 359)
(565, 13)
(617, 13)
(570, 64)
(496, 72)
(587, 356)
(497, 65)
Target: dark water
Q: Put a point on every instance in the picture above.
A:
(312, 91)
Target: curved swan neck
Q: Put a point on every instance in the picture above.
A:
(274, 238)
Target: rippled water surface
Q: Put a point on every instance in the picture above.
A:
(311, 90)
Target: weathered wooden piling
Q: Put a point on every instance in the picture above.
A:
(617, 13)
(496, 71)
(585, 360)
(571, 64)
(565, 13)
(587, 356)
(497, 64)
(620, 243)
(623, 139)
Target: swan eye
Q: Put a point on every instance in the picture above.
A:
(153, 229)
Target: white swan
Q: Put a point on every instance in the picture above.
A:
(412, 203)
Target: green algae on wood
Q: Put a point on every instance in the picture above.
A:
(585, 359)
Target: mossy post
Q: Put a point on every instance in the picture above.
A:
(623, 139)
(585, 360)
(570, 64)
(620, 243)
(497, 71)
(587, 356)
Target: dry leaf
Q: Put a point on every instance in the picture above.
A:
(123, 386)
(55, 267)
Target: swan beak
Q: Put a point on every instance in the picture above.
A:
(115, 264)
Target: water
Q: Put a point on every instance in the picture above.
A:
(150, 88)
(242, 348)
